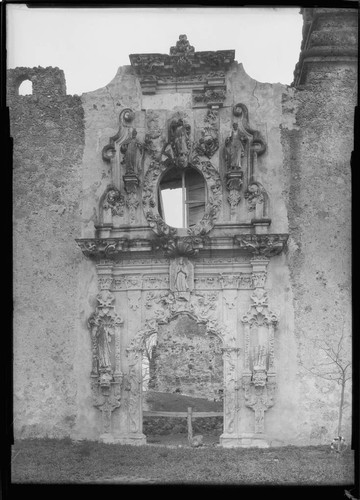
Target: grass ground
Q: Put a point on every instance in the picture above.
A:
(63, 461)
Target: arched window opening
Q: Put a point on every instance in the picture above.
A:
(182, 197)
(25, 88)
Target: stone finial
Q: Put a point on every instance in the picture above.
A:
(182, 47)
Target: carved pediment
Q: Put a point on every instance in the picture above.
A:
(183, 64)
(182, 60)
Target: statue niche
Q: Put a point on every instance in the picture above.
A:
(234, 150)
(181, 278)
(240, 153)
(132, 151)
(180, 142)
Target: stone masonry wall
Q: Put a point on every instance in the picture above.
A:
(317, 156)
(48, 133)
(188, 360)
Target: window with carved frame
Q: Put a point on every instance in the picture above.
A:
(182, 197)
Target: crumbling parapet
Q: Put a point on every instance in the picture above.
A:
(46, 82)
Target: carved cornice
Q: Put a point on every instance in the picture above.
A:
(183, 64)
(264, 245)
(112, 249)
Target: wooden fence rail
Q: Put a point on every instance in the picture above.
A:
(182, 414)
(189, 414)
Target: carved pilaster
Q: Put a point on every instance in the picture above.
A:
(231, 402)
(106, 375)
(133, 389)
(258, 379)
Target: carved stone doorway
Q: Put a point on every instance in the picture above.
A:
(182, 367)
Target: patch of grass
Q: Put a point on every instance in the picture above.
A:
(64, 461)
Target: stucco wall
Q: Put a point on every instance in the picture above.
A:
(317, 157)
(48, 133)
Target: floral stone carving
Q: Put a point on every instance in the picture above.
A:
(183, 60)
(208, 143)
(114, 202)
(259, 374)
(104, 325)
(264, 245)
(213, 96)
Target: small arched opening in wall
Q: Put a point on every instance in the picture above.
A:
(25, 87)
(182, 368)
(182, 197)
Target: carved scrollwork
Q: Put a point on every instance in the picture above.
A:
(257, 142)
(200, 306)
(107, 403)
(98, 248)
(211, 95)
(182, 61)
(265, 245)
(124, 133)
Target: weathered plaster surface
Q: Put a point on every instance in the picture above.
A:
(317, 157)
(48, 141)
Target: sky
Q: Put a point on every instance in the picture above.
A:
(91, 44)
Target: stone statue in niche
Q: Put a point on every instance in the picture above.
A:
(132, 150)
(181, 283)
(179, 138)
(181, 278)
(103, 342)
(234, 150)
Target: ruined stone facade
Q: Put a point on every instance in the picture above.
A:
(263, 271)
